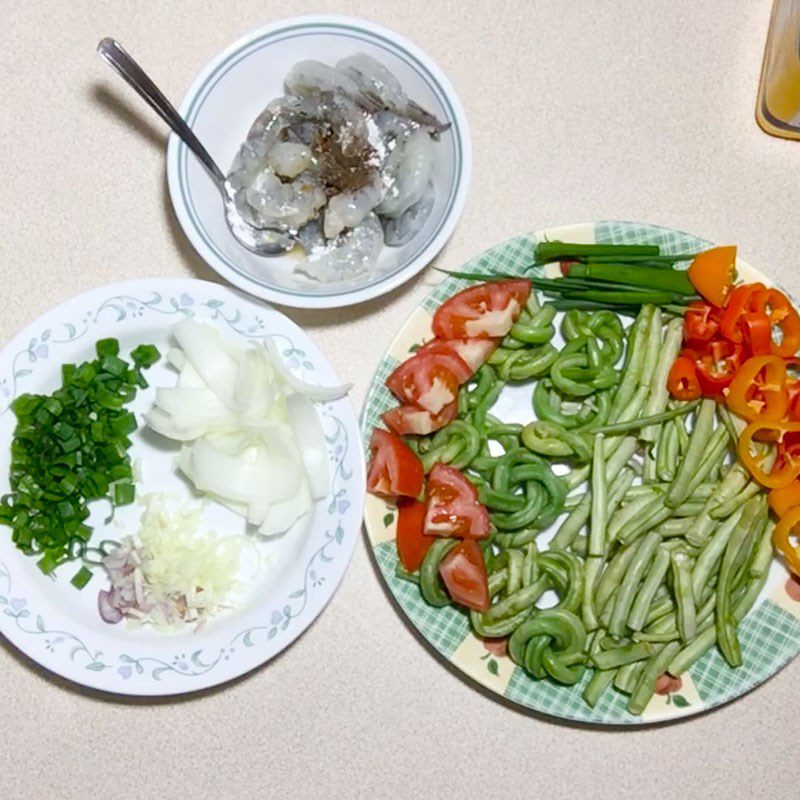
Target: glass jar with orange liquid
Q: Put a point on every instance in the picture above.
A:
(778, 108)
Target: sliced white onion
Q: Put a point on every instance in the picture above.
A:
(284, 514)
(307, 429)
(252, 438)
(202, 346)
(308, 389)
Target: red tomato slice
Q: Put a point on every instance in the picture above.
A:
(484, 311)
(453, 505)
(412, 543)
(473, 352)
(463, 571)
(394, 468)
(413, 421)
(429, 380)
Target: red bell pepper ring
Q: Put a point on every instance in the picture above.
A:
(782, 315)
(682, 382)
(700, 323)
(737, 305)
(757, 333)
(717, 368)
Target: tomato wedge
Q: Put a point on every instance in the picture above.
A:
(412, 543)
(473, 352)
(484, 311)
(711, 273)
(463, 572)
(413, 421)
(429, 380)
(394, 469)
(453, 505)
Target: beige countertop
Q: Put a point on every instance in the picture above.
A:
(579, 111)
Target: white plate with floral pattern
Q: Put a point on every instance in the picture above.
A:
(58, 626)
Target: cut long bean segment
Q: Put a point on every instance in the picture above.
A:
(736, 551)
(630, 583)
(684, 595)
(658, 396)
(647, 591)
(646, 685)
(680, 488)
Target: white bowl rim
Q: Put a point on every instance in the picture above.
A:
(177, 153)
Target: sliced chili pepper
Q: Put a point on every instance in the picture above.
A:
(787, 465)
(758, 390)
(781, 538)
(757, 332)
(700, 323)
(717, 369)
(711, 273)
(781, 314)
(785, 498)
(738, 302)
(682, 381)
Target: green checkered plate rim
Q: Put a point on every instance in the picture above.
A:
(770, 634)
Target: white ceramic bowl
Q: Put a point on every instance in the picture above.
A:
(228, 95)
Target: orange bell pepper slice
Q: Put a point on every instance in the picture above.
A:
(758, 390)
(786, 467)
(783, 499)
(781, 538)
(711, 273)
(738, 303)
(682, 380)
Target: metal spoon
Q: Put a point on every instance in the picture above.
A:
(261, 241)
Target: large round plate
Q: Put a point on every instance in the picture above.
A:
(770, 635)
(58, 626)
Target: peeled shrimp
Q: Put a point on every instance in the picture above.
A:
(398, 231)
(347, 209)
(289, 159)
(288, 206)
(351, 254)
(407, 172)
(313, 77)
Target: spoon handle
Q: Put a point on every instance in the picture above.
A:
(115, 56)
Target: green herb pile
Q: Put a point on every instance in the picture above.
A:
(69, 448)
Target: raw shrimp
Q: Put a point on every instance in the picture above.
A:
(347, 209)
(351, 254)
(313, 77)
(287, 206)
(407, 172)
(342, 163)
(400, 230)
(289, 159)
(379, 87)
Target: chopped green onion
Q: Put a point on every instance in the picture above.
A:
(68, 449)
(81, 578)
